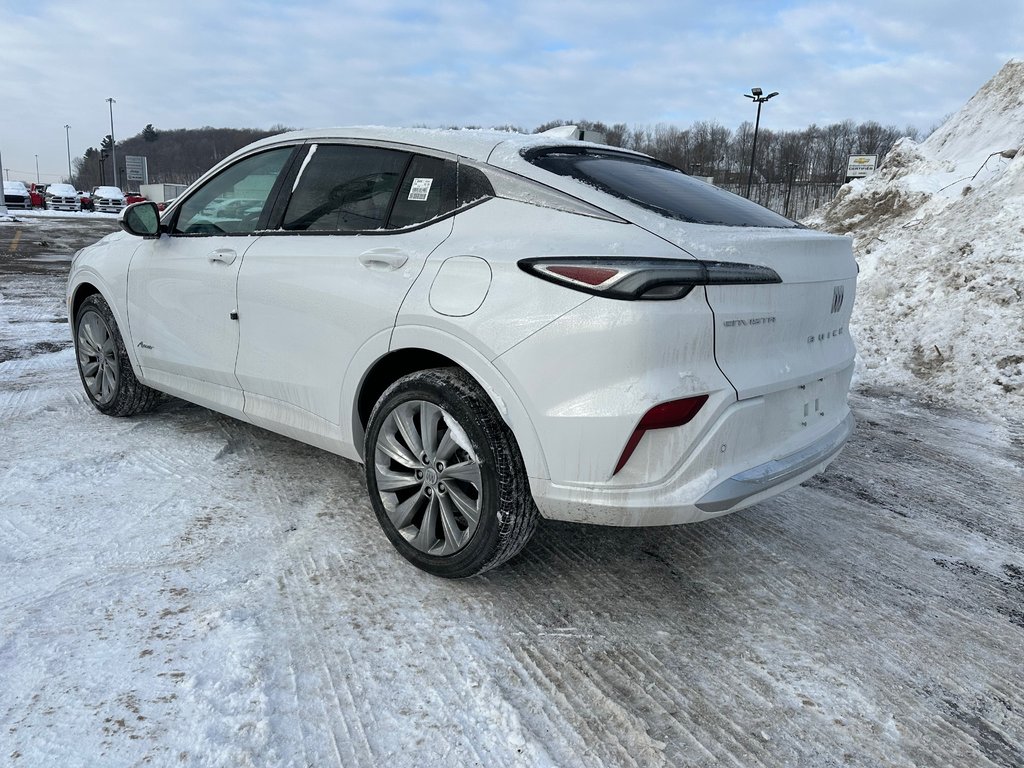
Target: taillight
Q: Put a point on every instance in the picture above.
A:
(637, 278)
(674, 413)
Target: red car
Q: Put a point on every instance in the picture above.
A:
(133, 197)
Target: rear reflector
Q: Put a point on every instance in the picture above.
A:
(674, 413)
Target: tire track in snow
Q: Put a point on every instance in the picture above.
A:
(353, 746)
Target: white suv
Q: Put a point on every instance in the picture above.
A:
(496, 325)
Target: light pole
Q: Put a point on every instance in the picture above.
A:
(113, 154)
(37, 169)
(757, 98)
(67, 131)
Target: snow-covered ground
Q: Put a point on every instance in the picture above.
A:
(184, 589)
(940, 241)
(45, 213)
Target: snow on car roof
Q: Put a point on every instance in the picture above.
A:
(475, 144)
(108, 192)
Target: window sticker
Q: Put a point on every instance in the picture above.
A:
(420, 189)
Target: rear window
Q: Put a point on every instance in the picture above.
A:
(656, 186)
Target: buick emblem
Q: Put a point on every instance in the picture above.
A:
(837, 298)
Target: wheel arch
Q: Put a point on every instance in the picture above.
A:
(83, 289)
(81, 292)
(419, 348)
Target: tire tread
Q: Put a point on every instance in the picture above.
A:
(517, 513)
(133, 397)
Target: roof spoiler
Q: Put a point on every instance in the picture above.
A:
(575, 133)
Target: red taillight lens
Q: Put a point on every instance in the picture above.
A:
(588, 275)
(643, 279)
(674, 413)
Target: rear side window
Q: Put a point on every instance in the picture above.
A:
(344, 188)
(656, 186)
(427, 192)
(434, 187)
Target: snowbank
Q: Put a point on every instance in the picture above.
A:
(939, 235)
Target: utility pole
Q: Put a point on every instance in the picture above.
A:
(113, 154)
(67, 130)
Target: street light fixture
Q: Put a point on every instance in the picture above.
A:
(757, 98)
(113, 154)
(67, 131)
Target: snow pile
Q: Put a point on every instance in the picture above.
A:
(939, 235)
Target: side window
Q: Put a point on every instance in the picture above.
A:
(473, 185)
(428, 191)
(232, 201)
(344, 188)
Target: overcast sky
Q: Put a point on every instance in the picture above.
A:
(190, 63)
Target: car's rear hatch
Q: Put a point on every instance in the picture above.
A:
(768, 336)
(775, 336)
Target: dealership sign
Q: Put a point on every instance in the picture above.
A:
(136, 169)
(861, 165)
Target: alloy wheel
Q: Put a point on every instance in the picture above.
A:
(428, 477)
(97, 357)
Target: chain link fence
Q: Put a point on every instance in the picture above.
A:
(794, 201)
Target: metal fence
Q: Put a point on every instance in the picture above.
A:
(793, 201)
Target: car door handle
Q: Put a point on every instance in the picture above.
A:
(383, 259)
(226, 255)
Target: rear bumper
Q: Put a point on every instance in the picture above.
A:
(770, 476)
(744, 457)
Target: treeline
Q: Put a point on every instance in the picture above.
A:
(178, 156)
(816, 154)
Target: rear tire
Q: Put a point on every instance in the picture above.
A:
(103, 363)
(445, 475)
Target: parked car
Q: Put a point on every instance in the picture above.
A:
(62, 197)
(38, 194)
(85, 199)
(130, 198)
(16, 195)
(108, 199)
(497, 326)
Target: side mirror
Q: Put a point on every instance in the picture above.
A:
(141, 219)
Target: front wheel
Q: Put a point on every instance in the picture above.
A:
(445, 475)
(103, 362)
